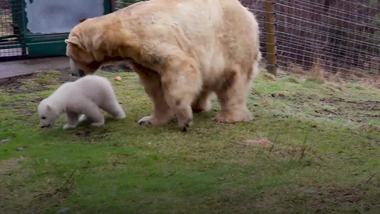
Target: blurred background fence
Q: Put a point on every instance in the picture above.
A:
(335, 35)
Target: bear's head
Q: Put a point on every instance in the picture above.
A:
(80, 47)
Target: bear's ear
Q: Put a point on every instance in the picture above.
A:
(74, 41)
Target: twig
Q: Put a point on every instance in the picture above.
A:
(303, 150)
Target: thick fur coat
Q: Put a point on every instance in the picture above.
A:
(182, 50)
(86, 96)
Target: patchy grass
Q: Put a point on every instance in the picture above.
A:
(322, 156)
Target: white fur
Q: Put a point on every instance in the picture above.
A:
(85, 96)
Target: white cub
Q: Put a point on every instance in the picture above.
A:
(81, 100)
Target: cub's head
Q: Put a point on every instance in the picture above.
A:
(47, 113)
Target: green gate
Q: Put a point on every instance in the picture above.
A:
(37, 28)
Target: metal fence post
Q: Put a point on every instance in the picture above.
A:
(270, 36)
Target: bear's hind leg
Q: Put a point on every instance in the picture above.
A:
(232, 96)
(181, 83)
(203, 102)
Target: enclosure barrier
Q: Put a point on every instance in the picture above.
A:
(11, 42)
(335, 35)
(37, 28)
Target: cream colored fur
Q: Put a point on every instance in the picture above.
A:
(86, 96)
(182, 50)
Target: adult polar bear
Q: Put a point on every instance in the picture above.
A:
(182, 50)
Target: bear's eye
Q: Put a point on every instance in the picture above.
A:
(43, 117)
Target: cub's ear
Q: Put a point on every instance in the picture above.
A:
(74, 41)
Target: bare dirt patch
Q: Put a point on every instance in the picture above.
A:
(8, 166)
(33, 83)
(321, 199)
(53, 196)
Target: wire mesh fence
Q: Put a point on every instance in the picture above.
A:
(336, 35)
(10, 19)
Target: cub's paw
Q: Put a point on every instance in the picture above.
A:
(97, 124)
(120, 116)
(82, 118)
(69, 126)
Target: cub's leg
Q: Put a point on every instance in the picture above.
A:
(72, 120)
(153, 87)
(113, 107)
(202, 103)
(115, 110)
(93, 114)
(232, 96)
(181, 83)
(82, 118)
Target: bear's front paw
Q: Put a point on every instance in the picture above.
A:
(155, 121)
(147, 120)
(243, 116)
(186, 125)
(69, 126)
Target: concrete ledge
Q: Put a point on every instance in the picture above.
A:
(30, 66)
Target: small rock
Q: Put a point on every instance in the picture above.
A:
(280, 95)
(310, 191)
(4, 141)
(117, 78)
(20, 149)
(63, 210)
(270, 76)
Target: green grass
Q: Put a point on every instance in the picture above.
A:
(324, 158)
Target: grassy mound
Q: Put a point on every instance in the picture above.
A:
(312, 146)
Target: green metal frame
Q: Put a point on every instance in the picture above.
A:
(39, 45)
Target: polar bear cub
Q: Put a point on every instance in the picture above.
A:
(81, 100)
